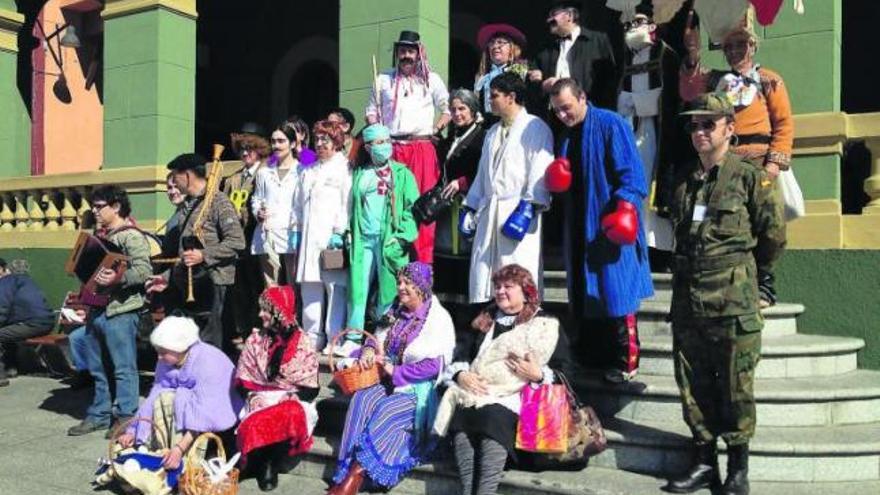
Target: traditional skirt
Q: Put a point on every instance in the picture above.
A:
(379, 435)
(287, 421)
(420, 158)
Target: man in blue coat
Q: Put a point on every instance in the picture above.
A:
(605, 249)
(24, 312)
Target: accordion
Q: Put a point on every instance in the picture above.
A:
(89, 255)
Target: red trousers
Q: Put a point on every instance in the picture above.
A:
(420, 158)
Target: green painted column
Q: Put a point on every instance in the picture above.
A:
(806, 51)
(15, 124)
(149, 81)
(370, 27)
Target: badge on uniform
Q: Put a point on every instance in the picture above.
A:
(238, 198)
(699, 213)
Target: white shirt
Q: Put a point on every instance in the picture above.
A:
(562, 68)
(415, 106)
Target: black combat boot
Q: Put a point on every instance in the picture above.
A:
(737, 482)
(703, 474)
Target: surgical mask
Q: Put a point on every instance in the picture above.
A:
(637, 39)
(380, 153)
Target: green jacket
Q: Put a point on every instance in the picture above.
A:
(399, 230)
(742, 228)
(129, 294)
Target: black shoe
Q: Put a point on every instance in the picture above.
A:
(84, 428)
(116, 423)
(703, 474)
(737, 482)
(267, 475)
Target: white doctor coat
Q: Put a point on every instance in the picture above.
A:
(321, 208)
(508, 173)
(277, 195)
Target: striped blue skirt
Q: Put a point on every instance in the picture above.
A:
(379, 435)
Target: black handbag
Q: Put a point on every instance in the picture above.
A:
(431, 204)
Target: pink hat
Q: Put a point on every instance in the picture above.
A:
(489, 31)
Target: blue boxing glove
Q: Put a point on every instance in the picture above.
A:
(293, 240)
(335, 242)
(467, 222)
(517, 224)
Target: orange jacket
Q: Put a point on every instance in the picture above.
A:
(769, 114)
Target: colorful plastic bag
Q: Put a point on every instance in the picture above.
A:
(544, 419)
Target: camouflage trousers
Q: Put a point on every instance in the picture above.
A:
(715, 360)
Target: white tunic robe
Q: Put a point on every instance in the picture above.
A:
(508, 173)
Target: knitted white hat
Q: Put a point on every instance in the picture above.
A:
(175, 333)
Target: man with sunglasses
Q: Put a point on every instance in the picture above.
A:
(728, 221)
(763, 121)
(114, 328)
(576, 52)
(649, 101)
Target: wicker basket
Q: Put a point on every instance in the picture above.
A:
(352, 379)
(195, 480)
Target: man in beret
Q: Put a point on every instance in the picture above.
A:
(212, 257)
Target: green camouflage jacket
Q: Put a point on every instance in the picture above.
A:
(727, 223)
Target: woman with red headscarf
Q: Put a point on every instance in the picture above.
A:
(277, 372)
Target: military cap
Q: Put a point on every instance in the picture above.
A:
(710, 104)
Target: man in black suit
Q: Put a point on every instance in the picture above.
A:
(582, 54)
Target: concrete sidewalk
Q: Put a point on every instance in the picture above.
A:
(38, 458)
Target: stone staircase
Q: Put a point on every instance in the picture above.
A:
(818, 416)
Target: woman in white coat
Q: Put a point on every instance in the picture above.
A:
(508, 192)
(272, 204)
(320, 219)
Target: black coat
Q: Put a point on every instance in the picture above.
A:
(591, 62)
(465, 158)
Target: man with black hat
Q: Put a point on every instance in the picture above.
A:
(728, 221)
(213, 259)
(407, 100)
(579, 53)
(241, 310)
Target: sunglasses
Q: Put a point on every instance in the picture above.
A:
(702, 125)
(98, 206)
(640, 21)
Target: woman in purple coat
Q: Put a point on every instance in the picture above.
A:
(192, 392)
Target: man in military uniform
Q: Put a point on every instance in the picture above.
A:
(727, 221)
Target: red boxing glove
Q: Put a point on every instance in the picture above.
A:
(557, 177)
(622, 226)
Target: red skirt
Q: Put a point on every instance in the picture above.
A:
(285, 421)
(420, 158)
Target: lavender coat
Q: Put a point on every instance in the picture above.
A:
(204, 399)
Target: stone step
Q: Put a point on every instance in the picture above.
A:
(556, 283)
(779, 320)
(851, 398)
(308, 475)
(786, 356)
(779, 454)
